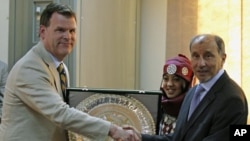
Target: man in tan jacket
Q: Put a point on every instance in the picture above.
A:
(33, 107)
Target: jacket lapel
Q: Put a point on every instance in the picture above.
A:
(201, 107)
(46, 57)
(210, 96)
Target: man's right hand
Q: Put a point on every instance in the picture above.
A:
(119, 134)
(130, 128)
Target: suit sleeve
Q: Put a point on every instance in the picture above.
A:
(146, 137)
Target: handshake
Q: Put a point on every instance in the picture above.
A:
(125, 133)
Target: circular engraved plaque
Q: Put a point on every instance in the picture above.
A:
(118, 109)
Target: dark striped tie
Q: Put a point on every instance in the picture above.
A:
(63, 79)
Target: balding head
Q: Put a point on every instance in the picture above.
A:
(209, 38)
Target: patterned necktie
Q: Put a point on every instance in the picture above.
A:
(195, 100)
(63, 79)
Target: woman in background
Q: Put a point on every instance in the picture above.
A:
(176, 80)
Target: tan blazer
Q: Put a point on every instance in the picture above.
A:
(33, 109)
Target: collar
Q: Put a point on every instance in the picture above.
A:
(56, 62)
(207, 85)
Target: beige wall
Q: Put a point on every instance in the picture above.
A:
(4, 28)
(122, 43)
(152, 43)
(107, 44)
(245, 51)
(181, 25)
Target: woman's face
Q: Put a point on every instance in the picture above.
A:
(172, 85)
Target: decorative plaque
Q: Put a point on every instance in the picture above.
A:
(118, 109)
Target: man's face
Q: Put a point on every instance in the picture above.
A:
(205, 58)
(60, 36)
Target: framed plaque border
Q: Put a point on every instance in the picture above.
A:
(149, 98)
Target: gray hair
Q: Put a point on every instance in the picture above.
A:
(219, 41)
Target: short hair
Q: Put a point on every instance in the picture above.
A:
(58, 8)
(219, 41)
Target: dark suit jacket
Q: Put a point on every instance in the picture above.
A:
(225, 104)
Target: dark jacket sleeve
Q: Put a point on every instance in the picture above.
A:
(146, 137)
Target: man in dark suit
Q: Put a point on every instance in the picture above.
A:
(222, 103)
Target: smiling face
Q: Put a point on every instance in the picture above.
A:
(59, 36)
(206, 59)
(172, 85)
